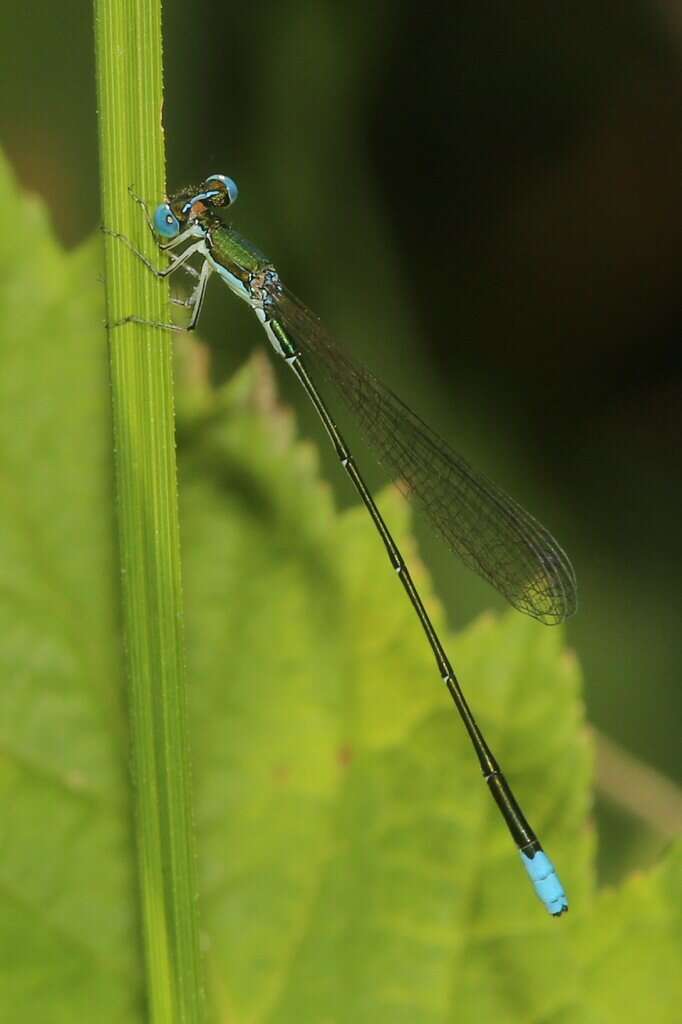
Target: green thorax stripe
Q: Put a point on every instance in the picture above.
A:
(236, 253)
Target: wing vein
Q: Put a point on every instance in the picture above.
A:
(489, 531)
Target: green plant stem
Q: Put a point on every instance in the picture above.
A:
(636, 787)
(129, 79)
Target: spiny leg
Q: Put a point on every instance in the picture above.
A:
(145, 209)
(177, 261)
(195, 301)
(159, 324)
(188, 303)
(197, 297)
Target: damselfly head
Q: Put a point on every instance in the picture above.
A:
(191, 204)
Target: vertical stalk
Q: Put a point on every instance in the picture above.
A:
(129, 82)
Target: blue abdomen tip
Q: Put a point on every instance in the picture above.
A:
(546, 881)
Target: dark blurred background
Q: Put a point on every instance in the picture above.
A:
(484, 201)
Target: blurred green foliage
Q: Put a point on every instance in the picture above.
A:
(353, 866)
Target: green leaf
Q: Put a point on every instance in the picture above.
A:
(69, 947)
(354, 859)
(353, 866)
(630, 948)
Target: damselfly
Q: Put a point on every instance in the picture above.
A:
(486, 528)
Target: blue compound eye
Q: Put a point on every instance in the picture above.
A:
(226, 188)
(166, 223)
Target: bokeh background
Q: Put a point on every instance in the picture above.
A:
(484, 202)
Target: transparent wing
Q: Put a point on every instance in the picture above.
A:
(489, 531)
